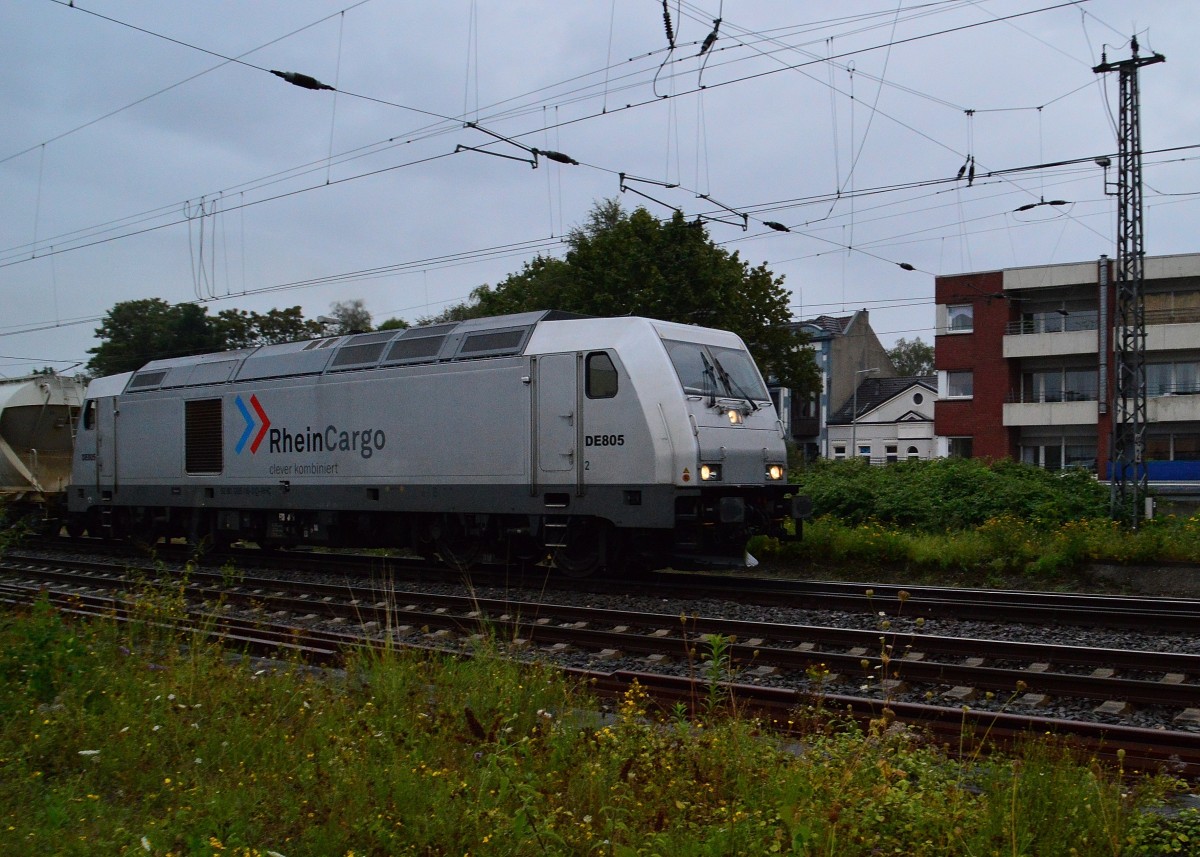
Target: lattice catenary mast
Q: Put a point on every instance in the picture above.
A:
(1129, 477)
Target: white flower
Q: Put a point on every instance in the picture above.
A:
(145, 843)
(89, 752)
(156, 728)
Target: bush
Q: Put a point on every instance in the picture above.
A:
(949, 494)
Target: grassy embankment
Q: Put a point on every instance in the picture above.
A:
(131, 740)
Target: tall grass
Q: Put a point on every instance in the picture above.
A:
(165, 745)
(1004, 544)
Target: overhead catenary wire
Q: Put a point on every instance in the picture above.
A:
(34, 253)
(544, 129)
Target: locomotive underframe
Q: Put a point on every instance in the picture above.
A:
(694, 528)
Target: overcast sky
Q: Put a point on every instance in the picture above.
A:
(147, 151)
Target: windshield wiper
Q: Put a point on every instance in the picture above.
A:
(710, 379)
(733, 386)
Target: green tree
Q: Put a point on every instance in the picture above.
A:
(393, 324)
(132, 333)
(136, 332)
(912, 359)
(238, 328)
(352, 316)
(633, 264)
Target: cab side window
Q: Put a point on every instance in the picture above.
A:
(89, 414)
(601, 376)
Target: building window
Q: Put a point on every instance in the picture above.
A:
(864, 451)
(1173, 447)
(918, 398)
(1187, 447)
(913, 454)
(960, 384)
(1059, 453)
(961, 447)
(1059, 385)
(1163, 379)
(961, 318)
(839, 452)
(892, 454)
(1079, 455)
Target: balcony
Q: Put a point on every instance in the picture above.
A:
(1052, 408)
(1172, 329)
(1172, 403)
(1048, 334)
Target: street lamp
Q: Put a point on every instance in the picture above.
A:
(854, 410)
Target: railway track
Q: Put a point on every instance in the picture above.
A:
(926, 602)
(952, 686)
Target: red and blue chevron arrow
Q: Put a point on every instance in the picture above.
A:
(263, 421)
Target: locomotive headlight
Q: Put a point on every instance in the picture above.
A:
(710, 473)
(775, 472)
(735, 416)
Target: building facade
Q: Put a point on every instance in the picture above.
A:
(887, 420)
(1025, 370)
(845, 348)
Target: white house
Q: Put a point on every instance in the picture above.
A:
(886, 420)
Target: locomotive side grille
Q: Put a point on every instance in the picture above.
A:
(507, 341)
(203, 452)
(415, 348)
(364, 348)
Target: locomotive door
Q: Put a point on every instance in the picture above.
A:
(106, 443)
(556, 420)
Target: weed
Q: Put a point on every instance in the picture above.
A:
(110, 746)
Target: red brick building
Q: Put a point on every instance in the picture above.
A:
(1025, 369)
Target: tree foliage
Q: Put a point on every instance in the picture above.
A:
(393, 324)
(238, 328)
(632, 264)
(352, 316)
(136, 332)
(912, 359)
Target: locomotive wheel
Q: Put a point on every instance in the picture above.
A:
(457, 548)
(586, 550)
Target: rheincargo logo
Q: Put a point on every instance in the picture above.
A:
(366, 442)
(333, 439)
(263, 423)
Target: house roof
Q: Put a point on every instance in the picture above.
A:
(873, 392)
(826, 324)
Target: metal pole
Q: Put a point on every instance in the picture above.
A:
(854, 411)
(1131, 483)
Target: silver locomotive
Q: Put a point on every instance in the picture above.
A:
(593, 441)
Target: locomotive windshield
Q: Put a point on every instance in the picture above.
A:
(710, 370)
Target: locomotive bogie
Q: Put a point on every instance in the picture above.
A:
(532, 436)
